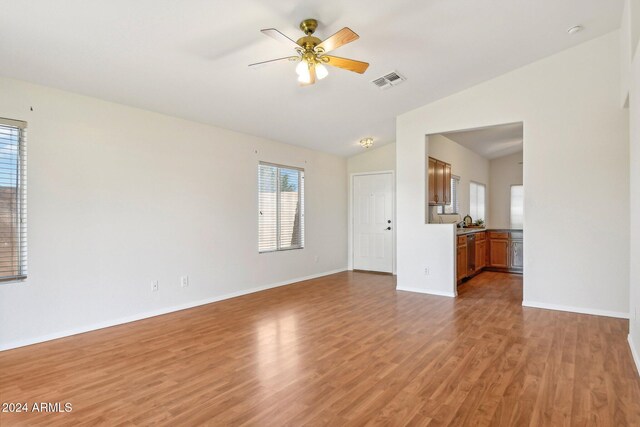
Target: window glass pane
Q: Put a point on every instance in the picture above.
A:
(517, 206)
(13, 231)
(477, 201)
(281, 208)
(290, 209)
(481, 199)
(453, 207)
(268, 210)
(473, 200)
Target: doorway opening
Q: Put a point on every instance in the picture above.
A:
(476, 183)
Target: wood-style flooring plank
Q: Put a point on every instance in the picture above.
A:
(346, 349)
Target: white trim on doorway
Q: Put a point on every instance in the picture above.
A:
(393, 214)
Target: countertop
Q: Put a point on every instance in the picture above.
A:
(461, 231)
(464, 231)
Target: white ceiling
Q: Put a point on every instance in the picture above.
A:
(189, 58)
(491, 142)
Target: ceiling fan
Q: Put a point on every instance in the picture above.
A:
(312, 52)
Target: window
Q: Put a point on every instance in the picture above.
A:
(477, 201)
(13, 208)
(454, 207)
(517, 206)
(281, 208)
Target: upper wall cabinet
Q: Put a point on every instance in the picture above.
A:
(439, 182)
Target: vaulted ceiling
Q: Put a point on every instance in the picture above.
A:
(491, 142)
(189, 58)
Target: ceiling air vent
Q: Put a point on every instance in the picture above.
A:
(392, 79)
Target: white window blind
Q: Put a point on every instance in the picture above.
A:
(281, 208)
(477, 201)
(454, 207)
(517, 206)
(13, 201)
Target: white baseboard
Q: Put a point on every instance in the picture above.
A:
(634, 353)
(581, 310)
(158, 312)
(426, 291)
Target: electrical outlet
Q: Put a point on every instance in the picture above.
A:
(154, 286)
(184, 281)
(427, 271)
(316, 259)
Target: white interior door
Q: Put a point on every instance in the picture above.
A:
(372, 222)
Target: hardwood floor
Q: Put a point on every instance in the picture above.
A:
(345, 349)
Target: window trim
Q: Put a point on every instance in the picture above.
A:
(21, 200)
(301, 176)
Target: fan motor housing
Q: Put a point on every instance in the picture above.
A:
(308, 26)
(308, 42)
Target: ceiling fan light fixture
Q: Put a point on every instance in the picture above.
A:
(366, 142)
(302, 69)
(312, 52)
(321, 71)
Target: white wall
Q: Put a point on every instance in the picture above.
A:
(629, 41)
(633, 32)
(504, 172)
(120, 196)
(466, 164)
(371, 160)
(576, 135)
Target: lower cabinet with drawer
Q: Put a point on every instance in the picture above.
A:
(498, 250)
(495, 250)
(505, 251)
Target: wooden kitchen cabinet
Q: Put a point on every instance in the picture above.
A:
(432, 182)
(481, 254)
(439, 185)
(494, 250)
(516, 259)
(461, 258)
(439, 178)
(499, 252)
(446, 193)
(461, 262)
(505, 251)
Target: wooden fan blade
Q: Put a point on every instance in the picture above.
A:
(347, 64)
(286, 58)
(340, 38)
(277, 35)
(312, 73)
(312, 79)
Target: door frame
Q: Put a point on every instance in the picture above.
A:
(393, 217)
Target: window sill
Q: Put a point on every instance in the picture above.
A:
(12, 279)
(280, 250)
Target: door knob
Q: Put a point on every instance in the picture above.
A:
(388, 228)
